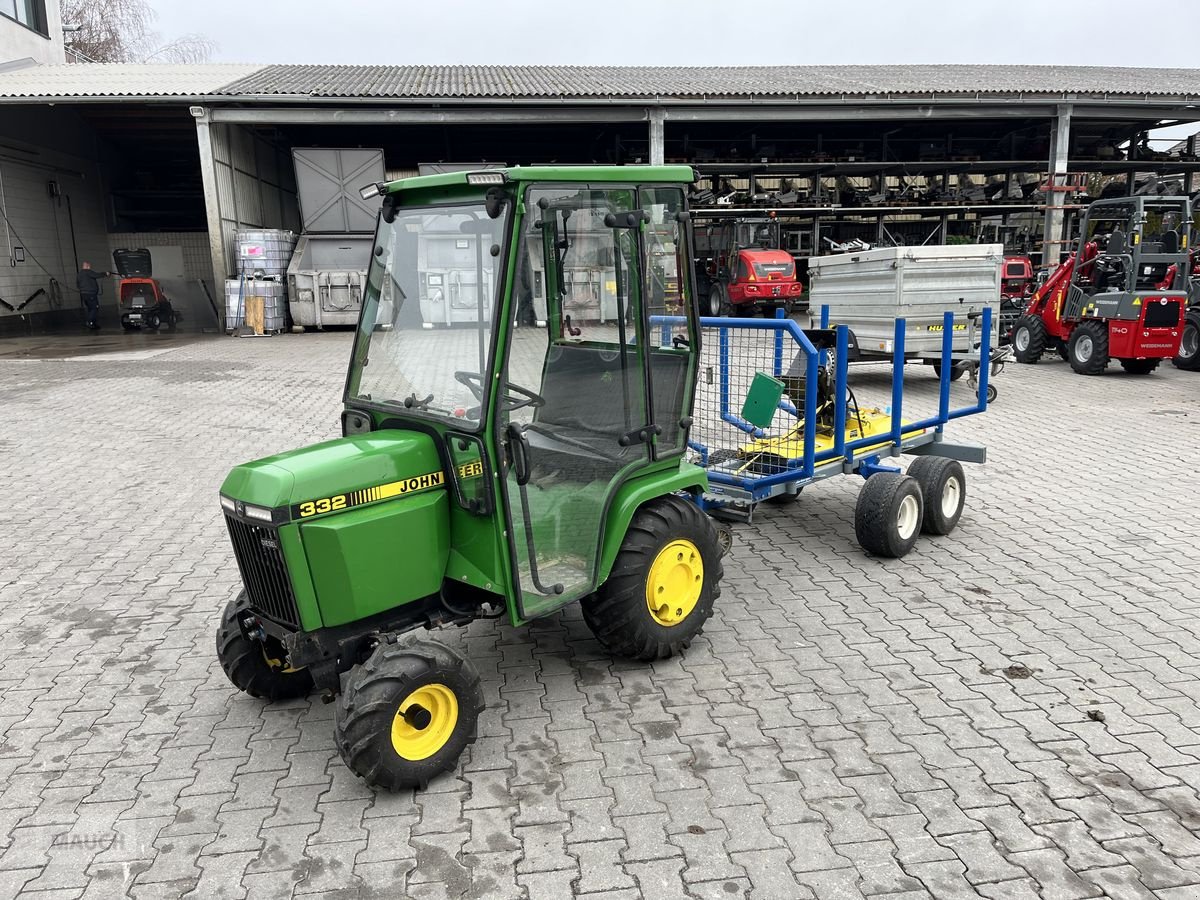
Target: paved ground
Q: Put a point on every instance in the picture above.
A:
(1009, 712)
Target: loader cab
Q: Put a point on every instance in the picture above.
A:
(555, 395)
(1129, 245)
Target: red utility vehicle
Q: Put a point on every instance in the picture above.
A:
(741, 271)
(1126, 302)
(139, 296)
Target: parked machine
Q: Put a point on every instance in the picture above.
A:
(1017, 284)
(742, 270)
(1127, 302)
(140, 297)
(501, 470)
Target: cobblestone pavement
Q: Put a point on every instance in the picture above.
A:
(1009, 712)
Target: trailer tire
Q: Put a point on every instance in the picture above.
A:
(407, 714)
(1087, 348)
(671, 551)
(787, 498)
(944, 490)
(1189, 346)
(1029, 339)
(955, 372)
(888, 514)
(1139, 366)
(256, 667)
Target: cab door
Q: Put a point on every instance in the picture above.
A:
(584, 429)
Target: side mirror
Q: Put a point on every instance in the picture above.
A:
(494, 202)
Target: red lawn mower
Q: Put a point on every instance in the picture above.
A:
(1127, 302)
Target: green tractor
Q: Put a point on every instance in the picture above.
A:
(514, 439)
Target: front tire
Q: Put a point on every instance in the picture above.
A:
(888, 514)
(258, 668)
(1140, 366)
(1087, 348)
(1029, 339)
(407, 713)
(944, 490)
(1189, 346)
(664, 583)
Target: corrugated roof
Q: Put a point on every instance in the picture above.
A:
(120, 80)
(533, 83)
(629, 82)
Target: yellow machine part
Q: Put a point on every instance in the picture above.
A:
(791, 445)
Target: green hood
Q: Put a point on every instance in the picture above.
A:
(359, 462)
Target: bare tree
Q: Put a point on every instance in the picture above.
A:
(122, 31)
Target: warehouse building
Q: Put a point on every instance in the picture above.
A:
(178, 158)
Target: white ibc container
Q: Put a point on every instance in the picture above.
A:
(869, 290)
(273, 296)
(267, 251)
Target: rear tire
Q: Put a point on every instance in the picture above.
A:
(257, 667)
(407, 714)
(888, 514)
(1140, 366)
(944, 490)
(1189, 347)
(664, 583)
(1029, 339)
(714, 302)
(1087, 348)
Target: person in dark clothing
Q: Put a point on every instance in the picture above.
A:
(88, 283)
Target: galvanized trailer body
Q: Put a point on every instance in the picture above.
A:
(869, 290)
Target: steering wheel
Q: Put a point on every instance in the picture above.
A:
(524, 397)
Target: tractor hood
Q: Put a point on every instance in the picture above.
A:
(335, 475)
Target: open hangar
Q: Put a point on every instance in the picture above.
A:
(179, 158)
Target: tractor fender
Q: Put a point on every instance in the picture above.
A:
(633, 494)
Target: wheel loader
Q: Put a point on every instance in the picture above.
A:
(487, 469)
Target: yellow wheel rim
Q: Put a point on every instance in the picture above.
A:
(424, 721)
(674, 582)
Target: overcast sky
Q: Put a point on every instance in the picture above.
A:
(685, 32)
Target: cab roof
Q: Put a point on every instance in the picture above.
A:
(580, 174)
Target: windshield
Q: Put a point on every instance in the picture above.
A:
(432, 285)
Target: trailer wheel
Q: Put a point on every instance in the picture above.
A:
(407, 714)
(1029, 339)
(1189, 346)
(955, 372)
(664, 582)
(944, 490)
(1087, 348)
(888, 514)
(787, 498)
(1139, 366)
(256, 667)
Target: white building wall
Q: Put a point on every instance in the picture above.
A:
(20, 42)
(39, 226)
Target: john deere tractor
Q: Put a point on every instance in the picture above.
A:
(514, 438)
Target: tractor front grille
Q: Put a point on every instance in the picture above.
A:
(1162, 315)
(260, 559)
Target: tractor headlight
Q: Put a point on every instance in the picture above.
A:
(258, 512)
(227, 504)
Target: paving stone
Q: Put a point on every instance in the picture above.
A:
(846, 726)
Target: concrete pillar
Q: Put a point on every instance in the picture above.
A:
(1060, 141)
(212, 208)
(657, 151)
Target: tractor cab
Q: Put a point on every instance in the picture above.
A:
(527, 452)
